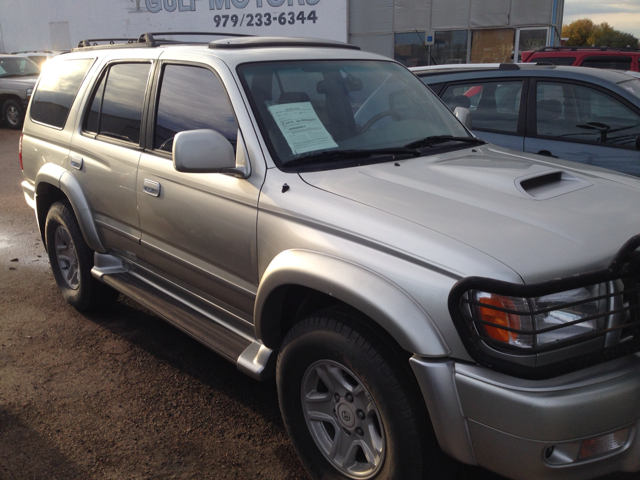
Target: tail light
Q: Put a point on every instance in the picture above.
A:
(20, 152)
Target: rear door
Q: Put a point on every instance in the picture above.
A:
(584, 123)
(105, 154)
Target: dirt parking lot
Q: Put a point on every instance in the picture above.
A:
(120, 394)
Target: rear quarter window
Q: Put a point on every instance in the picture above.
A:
(59, 84)
(607, 62)
(554, 60)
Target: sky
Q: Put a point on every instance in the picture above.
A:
(623, 15)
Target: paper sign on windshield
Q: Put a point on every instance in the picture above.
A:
(301, 127)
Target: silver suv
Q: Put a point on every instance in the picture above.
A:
(315, 212)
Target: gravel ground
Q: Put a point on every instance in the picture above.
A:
(120, 394)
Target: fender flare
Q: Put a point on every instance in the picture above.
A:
(60, 178)
(375, 296)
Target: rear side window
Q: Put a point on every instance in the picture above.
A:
(610, 63)
(554, 60)
(116, 107)
(579, 113)
(191, 98)
(57, 89)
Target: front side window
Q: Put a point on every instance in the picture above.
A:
(495, 106)
(57, 89)
(191, 98)
(576, 112)
(116, 107)
(342, 109)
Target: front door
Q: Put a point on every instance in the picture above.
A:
(198, 228)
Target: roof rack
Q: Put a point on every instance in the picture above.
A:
(111, 42)
(31, 51)
(152, 37)
(596, 49)
(259, 42)
(148, 40)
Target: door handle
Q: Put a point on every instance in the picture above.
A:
(76, 161)
(546, 153)
(151, 188)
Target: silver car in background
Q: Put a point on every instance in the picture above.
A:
(582, 114)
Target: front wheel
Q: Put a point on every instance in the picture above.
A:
(13, 114)
(350, 402)
(72, 259)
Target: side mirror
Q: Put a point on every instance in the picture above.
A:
(464, 115)
(207, 151)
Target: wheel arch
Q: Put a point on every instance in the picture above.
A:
(53, 184)
(299, 282)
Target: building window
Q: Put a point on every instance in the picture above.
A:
(450, 47)
(531, 39)
(492, 46)
(410, 49)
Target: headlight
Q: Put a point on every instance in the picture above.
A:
(540, 321)
(29, 92)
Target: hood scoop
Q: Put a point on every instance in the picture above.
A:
(549, 184)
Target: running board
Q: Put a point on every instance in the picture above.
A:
(192, 317)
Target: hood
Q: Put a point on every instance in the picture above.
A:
(542, 219)
(17, 84)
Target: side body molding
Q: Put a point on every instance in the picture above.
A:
(375, 296)
(58, 177)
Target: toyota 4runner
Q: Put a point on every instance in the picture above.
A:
(315, 213)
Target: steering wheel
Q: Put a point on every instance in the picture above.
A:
(379, 116)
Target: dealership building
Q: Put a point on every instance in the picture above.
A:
(415, 32)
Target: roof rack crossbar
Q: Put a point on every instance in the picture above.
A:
(93, 42)
(150, 37)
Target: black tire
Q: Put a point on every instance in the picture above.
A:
(13, 114)
(395, 427)
(72, 260)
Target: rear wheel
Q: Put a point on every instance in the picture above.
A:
(72, 260)
(13, 114)
(350, 402)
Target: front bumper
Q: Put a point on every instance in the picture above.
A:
(532, 429)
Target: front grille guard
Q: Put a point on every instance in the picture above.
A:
(545, 361)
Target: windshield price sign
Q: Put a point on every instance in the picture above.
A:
(291, 18)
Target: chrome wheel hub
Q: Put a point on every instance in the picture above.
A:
(13, 116)
(67, 257)
(343, 419)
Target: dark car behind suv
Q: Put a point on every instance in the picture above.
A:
(18, 76)
(581, 114)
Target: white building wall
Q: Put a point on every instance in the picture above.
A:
(61, 24)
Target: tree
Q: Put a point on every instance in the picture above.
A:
(578, 32)
(584, 32)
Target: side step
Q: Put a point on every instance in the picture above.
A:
(193, 317)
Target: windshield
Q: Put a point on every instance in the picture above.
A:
(337, 109)
(18, 67)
